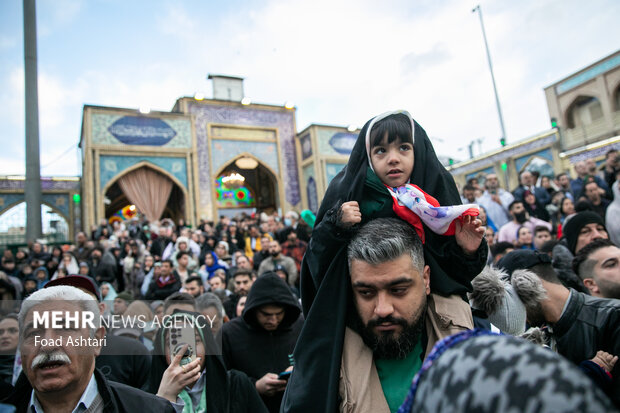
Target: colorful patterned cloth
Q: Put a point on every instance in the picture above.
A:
(416, 207)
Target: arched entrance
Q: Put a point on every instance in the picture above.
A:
(245, 185)
(54, 225)
(153, 193)
(584, 111)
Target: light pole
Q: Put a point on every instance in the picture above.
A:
(33, 165)
(484, 36)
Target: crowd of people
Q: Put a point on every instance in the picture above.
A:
(141, 269)
(368, 306)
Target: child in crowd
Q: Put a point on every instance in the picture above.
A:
(392, 171)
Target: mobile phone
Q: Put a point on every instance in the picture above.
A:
(284, 375)
(178, 338)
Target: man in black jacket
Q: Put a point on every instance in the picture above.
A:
(61, 374)
(166, 284)
(103, 266)
(260, 341)
(581, 325)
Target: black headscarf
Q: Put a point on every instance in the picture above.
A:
(325, 283)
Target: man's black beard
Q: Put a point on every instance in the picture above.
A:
(275, 254)
(384, 344)
(520, 217)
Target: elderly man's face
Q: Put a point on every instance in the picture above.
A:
(244, 262)
(73, 365)
(580, 168)
(216, 283)
(391, 302)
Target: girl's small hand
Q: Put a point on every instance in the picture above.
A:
(351, 214)
(469, 234)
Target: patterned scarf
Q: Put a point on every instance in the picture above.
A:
(416, 207)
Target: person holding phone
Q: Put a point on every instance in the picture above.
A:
(260, 341)
(202, 384)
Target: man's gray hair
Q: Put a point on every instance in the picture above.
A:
(60, 292)
(386, 239)
(207, 300)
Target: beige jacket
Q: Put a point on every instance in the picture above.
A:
(360, 388)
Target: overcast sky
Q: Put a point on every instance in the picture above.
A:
(340, 61)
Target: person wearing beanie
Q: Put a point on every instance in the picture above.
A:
(478, 371)
(578, 231)
(581, 325)
(583, 228)
(122, 301)
(494, 299)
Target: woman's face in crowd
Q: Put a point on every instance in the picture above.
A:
(148, 261)
(105, 289)
(530, 199)
(241, 305)
(568, 207)
(220, 250)
(489, 235)
(9, 336)
(208, 260)
(525, 236)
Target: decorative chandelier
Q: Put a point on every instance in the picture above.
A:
(233, 181)
(246, 163)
